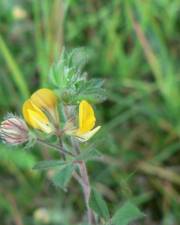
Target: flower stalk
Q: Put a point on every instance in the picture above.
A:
(86, 190)
(85, 184)
(63, 153)
(83, 179)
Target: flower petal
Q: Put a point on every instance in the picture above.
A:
(35, 117)
(86, 136)
(86, 117)
(44, 98)
(40, 121)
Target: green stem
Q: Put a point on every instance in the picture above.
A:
(63, 155)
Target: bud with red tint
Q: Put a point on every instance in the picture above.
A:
(13, 130)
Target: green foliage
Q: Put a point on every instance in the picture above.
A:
(126, 214)
(4, 204)
(71, 83)
(18, 157)
(49, 164)
(140, 119)
(63, 176)
(88, 154)
(98, 204)
(15, 71)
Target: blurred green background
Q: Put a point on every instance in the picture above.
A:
(135, 47)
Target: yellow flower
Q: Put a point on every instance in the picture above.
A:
(44, 98)
(87, 121)
(40, 110)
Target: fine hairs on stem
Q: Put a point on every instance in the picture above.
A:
(82, 178)
(85, 184)
(81, 175)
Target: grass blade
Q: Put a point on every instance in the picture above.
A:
(13, 67)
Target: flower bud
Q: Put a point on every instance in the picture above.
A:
(14, 130)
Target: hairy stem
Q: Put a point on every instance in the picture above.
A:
(85, 183)
(83, 179)
(86, 190)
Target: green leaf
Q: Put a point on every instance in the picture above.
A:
(48, 164)
(89, 154)
(90, 90)
(63, 176)
(19, 157)
(79, 57)
(126, 214)
(71, 82)
(98, 204)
